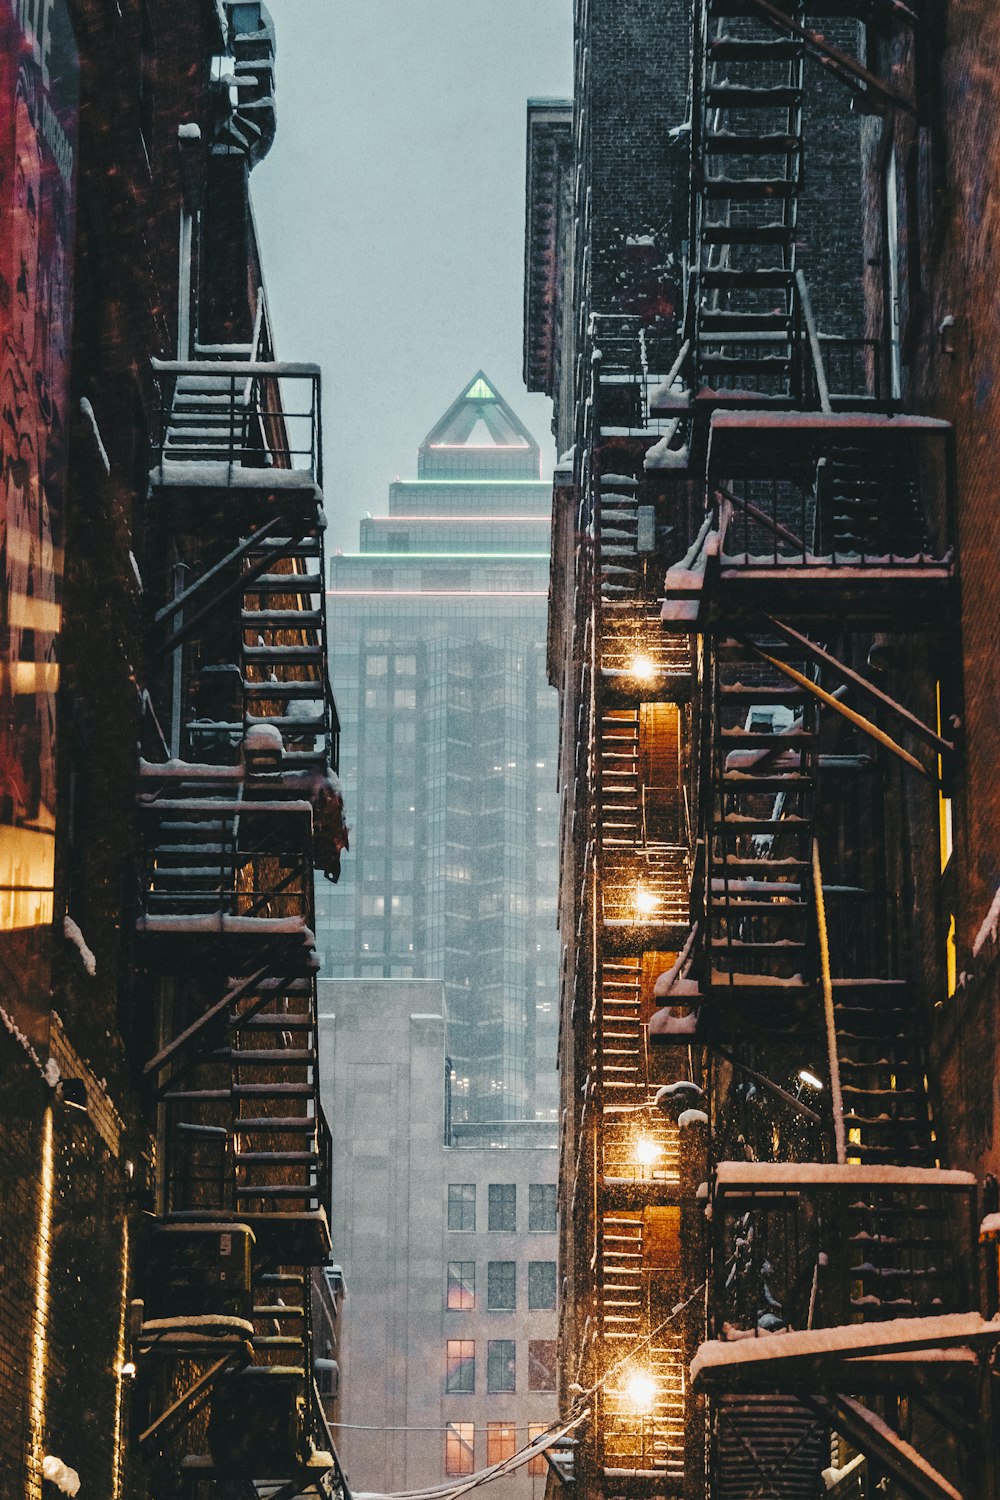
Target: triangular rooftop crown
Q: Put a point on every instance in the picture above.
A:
(479, 437)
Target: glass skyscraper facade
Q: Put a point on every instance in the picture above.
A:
(448, 756)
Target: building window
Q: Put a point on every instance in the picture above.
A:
(500, 1365)
(460, 1371)
(541, 1284)
(503, 1206)
(537, 1466)
(541, 1365)
(461, 1285)
(458, 1448)
(501, 1285)
(542, 1207)
(501, 1442)
(462, 1205)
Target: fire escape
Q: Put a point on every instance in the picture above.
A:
(819, 584)
(632, 1205)
(238, 806)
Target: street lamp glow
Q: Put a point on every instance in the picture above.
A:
(645, 901)
(810, 1079)
(643, 668)
(647, 1150)
(640, 1392)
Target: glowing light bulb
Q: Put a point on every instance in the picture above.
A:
(645, 901)
(643, 668)
(647, 1150)
(640, 1392)
(810, 1079)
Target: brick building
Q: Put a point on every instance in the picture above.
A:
(754, 291)
(165, 1174)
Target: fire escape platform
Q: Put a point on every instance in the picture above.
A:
(908, 594)
(624, 938)
(736, 1181)
(220, 474)
(751, 444)
(287, 1237)
(835, 1358)
(633, 1194)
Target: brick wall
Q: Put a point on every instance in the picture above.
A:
(61, 1237)
(637, 88)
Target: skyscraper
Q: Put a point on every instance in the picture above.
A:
(438, 629)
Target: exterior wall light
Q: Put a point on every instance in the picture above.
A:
(809, 1079)
(647, 1150)
(643, 668)
(640, 1392)
(645, 902)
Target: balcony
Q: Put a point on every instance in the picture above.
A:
(243, 425)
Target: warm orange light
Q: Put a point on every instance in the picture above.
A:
(640, 1392)
(647, 1150)
(643, 668)
(645, 901)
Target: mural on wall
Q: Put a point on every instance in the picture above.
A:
(38, 113)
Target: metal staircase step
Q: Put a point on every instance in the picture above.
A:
(732, 143)
(747, 234)
(280, 619)
(726, 95)
(743, 49)
(277, 1190)
(750, 188)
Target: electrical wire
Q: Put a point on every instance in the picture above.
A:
(544, 1440)
(533, 1449)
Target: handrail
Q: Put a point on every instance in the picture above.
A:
(235, 367)
(814, 346)
(836, 1094)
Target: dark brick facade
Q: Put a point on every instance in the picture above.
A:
(73, 1183)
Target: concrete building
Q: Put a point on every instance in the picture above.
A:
(449, 1251)
(778, 867)
(437, 631)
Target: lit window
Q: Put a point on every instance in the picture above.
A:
(460, 1367)
(501, 1285)
(541, 1364)
(461, 1295)
(462, 1205)
(500, 1366)
(501, 1442)
(458, 1448)
(541, 1285)
(537, 1467)
(542, 1207)
(503, 1206)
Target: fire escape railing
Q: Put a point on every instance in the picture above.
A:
(828, 515)
(233, 824)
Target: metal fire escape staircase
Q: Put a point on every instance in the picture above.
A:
(234, 823)
(636, 676)
(826, 511)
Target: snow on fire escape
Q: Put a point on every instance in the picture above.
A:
(828, 522)
(239, 805)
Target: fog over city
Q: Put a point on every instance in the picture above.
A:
(394, 196)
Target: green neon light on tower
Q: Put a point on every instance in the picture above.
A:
(479, 391)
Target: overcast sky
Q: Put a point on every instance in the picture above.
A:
(391, 215)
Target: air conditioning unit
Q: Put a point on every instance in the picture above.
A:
(194, 1270)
